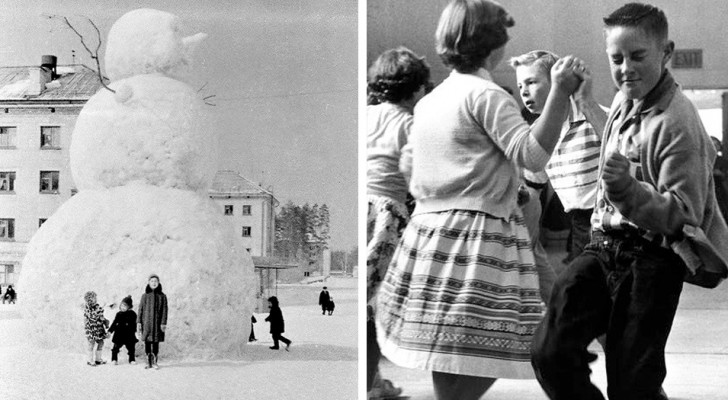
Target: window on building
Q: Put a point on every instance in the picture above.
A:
(246, 210)
(7, 181)
(49, 181)
(7, 136)
(50, 137)
(41, 221)
(228, 210)
(7, 228)
(246, 231)
(7, 274)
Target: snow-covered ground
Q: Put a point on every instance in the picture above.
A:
(322, 363)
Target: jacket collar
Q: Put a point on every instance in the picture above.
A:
(659, 97)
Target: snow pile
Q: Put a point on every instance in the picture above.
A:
(15, 90)
(142, 161)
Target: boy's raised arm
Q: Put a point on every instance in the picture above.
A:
(584, 98)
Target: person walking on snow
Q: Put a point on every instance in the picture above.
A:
(324, 299)
(277, 325)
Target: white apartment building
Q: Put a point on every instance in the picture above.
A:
(38, 110)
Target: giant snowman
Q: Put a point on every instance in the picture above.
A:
(142, 158)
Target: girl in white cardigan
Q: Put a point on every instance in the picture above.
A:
(461, 297)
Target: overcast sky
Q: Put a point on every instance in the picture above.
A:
(283, 75)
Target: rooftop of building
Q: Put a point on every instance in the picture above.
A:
(227, 182)
(75, 82)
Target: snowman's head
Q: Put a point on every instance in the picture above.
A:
(146, 41)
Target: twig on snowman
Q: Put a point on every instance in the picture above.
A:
(94, 54)
(204, 99)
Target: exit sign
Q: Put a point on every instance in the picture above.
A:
(688, 58)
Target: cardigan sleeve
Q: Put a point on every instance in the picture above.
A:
(502, 121)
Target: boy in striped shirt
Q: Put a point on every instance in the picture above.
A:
(573, 166)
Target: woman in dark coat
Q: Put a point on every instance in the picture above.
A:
(152, 320)
(277, 326)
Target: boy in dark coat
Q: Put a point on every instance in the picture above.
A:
(124, 329)
(152, 320)
(276, 323)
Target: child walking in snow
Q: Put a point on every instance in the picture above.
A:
(96, 324)
(124, 329)
(152, 320)
(277, 326)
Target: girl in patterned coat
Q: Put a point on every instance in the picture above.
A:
(96, 324)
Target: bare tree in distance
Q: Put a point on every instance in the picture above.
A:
(93, 53)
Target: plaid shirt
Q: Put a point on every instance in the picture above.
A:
(625, 135)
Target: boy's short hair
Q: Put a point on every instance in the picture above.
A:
(396, 75)
(469, 30)
(543, 59)
(650, 18)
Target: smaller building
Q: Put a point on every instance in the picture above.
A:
(250, 208)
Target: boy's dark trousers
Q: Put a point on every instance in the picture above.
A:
(579, 232)
(130, 347)
(277, 337)
(625, 287)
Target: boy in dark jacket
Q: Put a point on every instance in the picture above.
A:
(124, 329)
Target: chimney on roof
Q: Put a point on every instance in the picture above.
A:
(40, 76)
(49, 62)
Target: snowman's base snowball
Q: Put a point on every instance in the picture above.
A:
(110, 241)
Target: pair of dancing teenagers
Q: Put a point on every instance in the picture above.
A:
(458, 294)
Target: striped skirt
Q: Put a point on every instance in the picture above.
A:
(461, 296)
